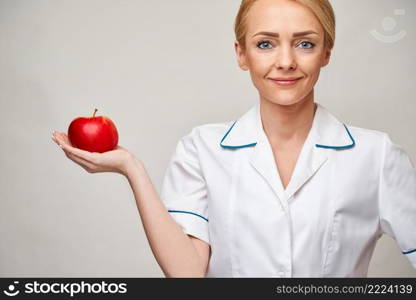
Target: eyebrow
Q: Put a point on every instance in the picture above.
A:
(296, 34)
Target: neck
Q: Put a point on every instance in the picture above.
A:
(285, 124)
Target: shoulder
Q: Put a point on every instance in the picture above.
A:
(202, 138)
(208, 134)
(377, 143)
(367, 137)
(211, 130)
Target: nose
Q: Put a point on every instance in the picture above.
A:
(285, 60)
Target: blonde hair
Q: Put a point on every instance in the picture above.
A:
(321, 8)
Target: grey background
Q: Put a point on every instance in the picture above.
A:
(157, 68)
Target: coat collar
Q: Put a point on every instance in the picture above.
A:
(326, 131)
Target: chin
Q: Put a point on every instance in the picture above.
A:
(286, 98)
(285, 101)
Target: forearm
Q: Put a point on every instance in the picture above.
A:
(171, 247)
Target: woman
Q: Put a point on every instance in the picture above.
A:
(287, 190)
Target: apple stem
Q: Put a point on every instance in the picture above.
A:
(95, 111)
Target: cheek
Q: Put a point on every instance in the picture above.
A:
(259, 68)
(310, 64)
(260, 63)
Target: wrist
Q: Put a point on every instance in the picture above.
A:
(131, 164)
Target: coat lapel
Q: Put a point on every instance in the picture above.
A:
(325, 134)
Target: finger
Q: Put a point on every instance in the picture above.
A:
(63, 140)
(79, 160)
(53, 136)
(84, 155)
(87, 166)
(56, 138)
(83, 163)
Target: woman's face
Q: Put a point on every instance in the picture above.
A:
(282, 50)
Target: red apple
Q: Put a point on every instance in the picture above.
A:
(93, 134)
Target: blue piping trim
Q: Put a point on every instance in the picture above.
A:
(339, 147)
(410, 251)
(317, 145)
(187, 212)
(234, 147)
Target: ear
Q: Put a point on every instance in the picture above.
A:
(241, 58)
(326, 58)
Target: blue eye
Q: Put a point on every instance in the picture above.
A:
(311, 45)
(304, 45)
(262, 43)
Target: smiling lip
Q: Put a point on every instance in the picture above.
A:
(286, 81)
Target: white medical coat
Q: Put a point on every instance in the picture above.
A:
(349, 186)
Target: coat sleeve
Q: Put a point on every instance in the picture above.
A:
(397, 198)
(184, 191)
